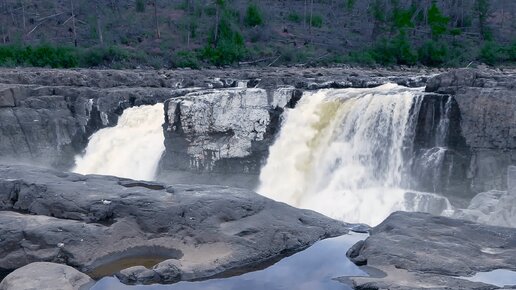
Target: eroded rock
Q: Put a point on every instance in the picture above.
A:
(46, 276)
(418, 250)
(92, 221)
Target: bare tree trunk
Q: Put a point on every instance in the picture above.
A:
(73, 24)
(23, 16)
(304, 14)
(158, 34)
(99, 25)
(311, 17)
(217, 19)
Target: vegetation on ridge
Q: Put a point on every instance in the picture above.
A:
(197, 33)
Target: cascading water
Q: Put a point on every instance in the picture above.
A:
(131, 149)
(341, 153)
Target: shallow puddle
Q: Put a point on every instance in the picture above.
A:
(498, 277)
(116, 266)
(313, 268)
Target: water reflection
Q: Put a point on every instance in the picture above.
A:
(498, 278)
(310, 269)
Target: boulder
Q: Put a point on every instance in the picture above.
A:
(418, 250)
(102, 225)
(46, 276)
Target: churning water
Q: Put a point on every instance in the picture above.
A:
(342, 153)
(131, 149)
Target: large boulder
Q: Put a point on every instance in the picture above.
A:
(101, 225)
(46, 276)
(418, 250)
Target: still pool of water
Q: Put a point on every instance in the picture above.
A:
(313, 268)
(499, 277)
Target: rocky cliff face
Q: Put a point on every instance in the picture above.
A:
(482, 120)
(223, 132)
(219, 124)
(46, 116)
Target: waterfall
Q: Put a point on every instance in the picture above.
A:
(341, 153)
(131, 149)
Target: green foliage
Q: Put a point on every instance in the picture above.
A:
(39, 56)
(317, 21)
(186, 59)
(229, 46)
(350, 4)
(493, 53)
(402, 18)
(294, 17)
(378, 10)
(437, 21)
(433, 53)
(481, 8)
(103, 56)
(140, 6)
(397, 51)
(253, 16)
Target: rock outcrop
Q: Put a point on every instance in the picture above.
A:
(47, 115)
(46, 276)
(99, 224)
(223, 132)
(420, 251)
(485, 105)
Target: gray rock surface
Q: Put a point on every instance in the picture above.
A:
(225, 131)
(486, 101)
(46, 276)
(493, 207)
(47, 115)
(97, 223)
(421, 251)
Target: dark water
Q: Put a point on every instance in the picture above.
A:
(310, 269)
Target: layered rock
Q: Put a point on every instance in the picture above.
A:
(49, 125)
(102, 224)
(485, 104)
(225, 132)
(420, 251)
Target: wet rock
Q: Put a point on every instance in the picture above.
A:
(418, 250)
(486, 105)
(494, 207)
(224, 131)
(96, 223)
(46, 276)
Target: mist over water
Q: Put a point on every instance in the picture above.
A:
(131, 149)
(341, 153)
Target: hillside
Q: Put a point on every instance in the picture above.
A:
(194, 33)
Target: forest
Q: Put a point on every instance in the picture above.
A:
(206, 33)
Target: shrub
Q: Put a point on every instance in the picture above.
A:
(140, 6)
(39, 56)
(397, 51)
(492, 53)
(294, 17)
(437, 21)
(317, 21)
(433, 53)
(253, 16)
(186, 59)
